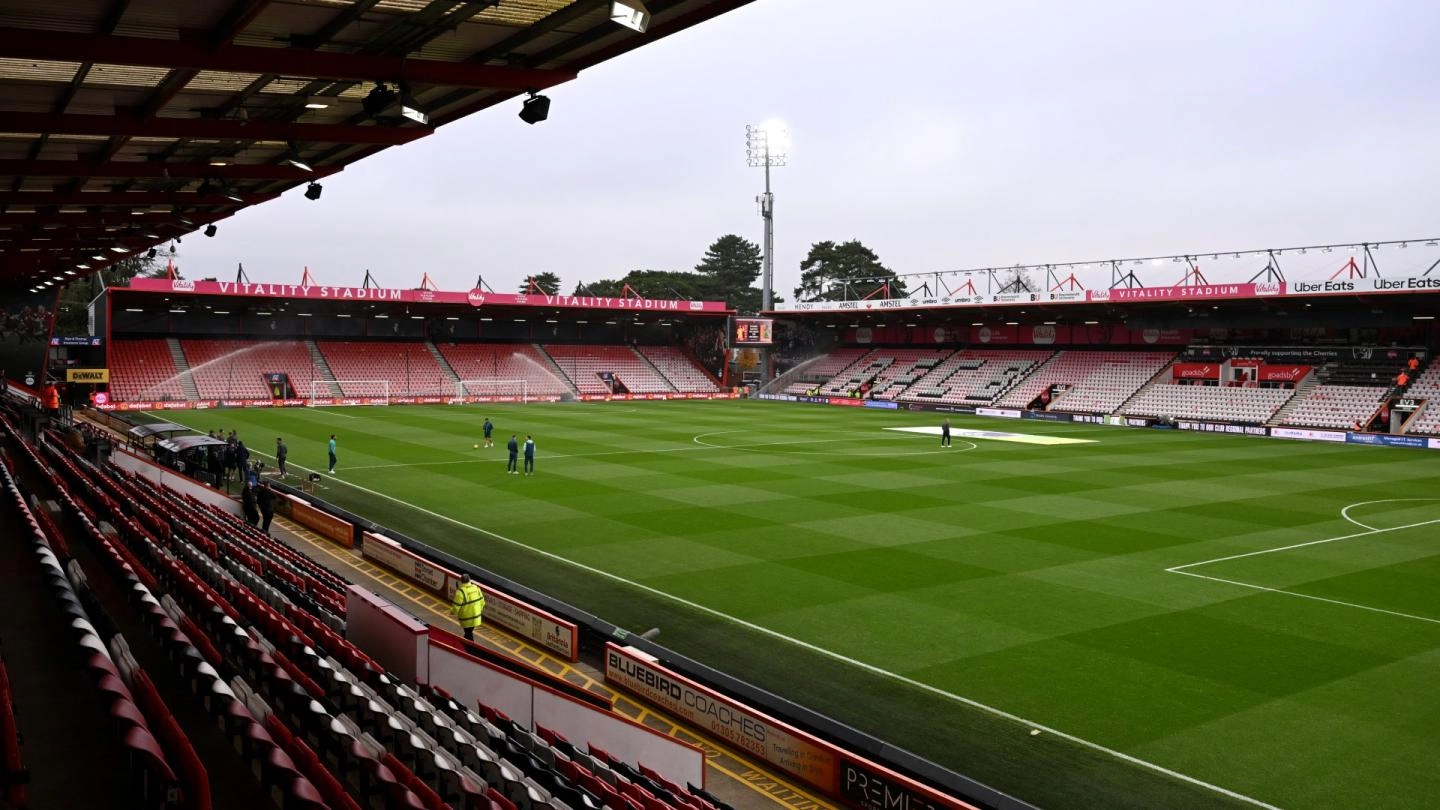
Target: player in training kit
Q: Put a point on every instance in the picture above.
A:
(529, 455)
(332, 454)
(945, 433)
(489, 428)
(514, 447)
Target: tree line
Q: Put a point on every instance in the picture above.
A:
(728, 271)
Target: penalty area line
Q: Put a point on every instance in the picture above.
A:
(871, 668)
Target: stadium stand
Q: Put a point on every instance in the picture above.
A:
(1209, 403)
(1426, 387)
(819, 370)
(256, 631)
(143, 369)
(678, 367)
(583, 365)
(1108, 376)
(505, 361)
(235, 369)
(1115, 380)
(975, 376)
(408, 367)
(1337, 406)
(903, 367)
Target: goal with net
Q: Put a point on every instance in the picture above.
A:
(375, 392)
(493, 390)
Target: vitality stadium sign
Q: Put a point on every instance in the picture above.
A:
(475, 298)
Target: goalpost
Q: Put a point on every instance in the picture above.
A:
(377, 391)
(518, 390)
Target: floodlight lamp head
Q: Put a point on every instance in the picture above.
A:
(630, 13)
(535, 109)
(312, 191)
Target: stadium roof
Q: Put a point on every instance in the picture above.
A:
(127, 123)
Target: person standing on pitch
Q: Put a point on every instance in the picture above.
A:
(332, 454)
(514, 447)
(281, 453)
(529, 455)
(469, 603)
(489, 428)
(945, 433)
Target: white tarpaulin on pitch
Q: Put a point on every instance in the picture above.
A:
(995, 435)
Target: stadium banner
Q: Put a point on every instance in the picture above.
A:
(521, 618)
(1269, 373)
(88, 341)
(1189, 292)
(1315, 354)
(1306, 434)
(87, 375)
(1434, 443)
(939, 408)
(1003, 413)
(1051, 416)
(1360, 286)
(475, 298)
(859, 782)
(340, 532)
(1386, 440)
(884, 404)
(1195, 371)
(1221, 427)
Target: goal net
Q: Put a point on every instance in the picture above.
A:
(377, 392)
(502, 390)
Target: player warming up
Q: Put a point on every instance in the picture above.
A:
(332, 454)
(529, 455)
(489, 428)
(514, 448)
(945, 433)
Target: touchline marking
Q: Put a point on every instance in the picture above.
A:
(1180, 568)
(1307, 596)
(1345, 513)
(775, 634)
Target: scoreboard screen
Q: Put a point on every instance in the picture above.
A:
(753, 332)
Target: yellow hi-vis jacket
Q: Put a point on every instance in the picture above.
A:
(469, 604)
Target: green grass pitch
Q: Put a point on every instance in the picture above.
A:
(1108, 593)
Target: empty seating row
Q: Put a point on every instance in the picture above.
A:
(679, 368)
(236, 369)
(143, 370)
(408, 369)
(1209, 403)
(492, 369)
(1115, 380)
(584, 365)
(1115, 374)
(975, 376)
(1337, 406)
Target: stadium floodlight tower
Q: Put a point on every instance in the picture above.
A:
(767, 145)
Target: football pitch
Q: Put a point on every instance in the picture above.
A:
(1134, 618)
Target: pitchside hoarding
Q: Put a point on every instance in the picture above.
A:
(859, 782)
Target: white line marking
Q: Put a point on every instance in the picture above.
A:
(1307, 596)
(997, 435)
(1345, 513)
(1177, 569)
(871, 668)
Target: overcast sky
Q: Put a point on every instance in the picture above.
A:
(944, 134)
